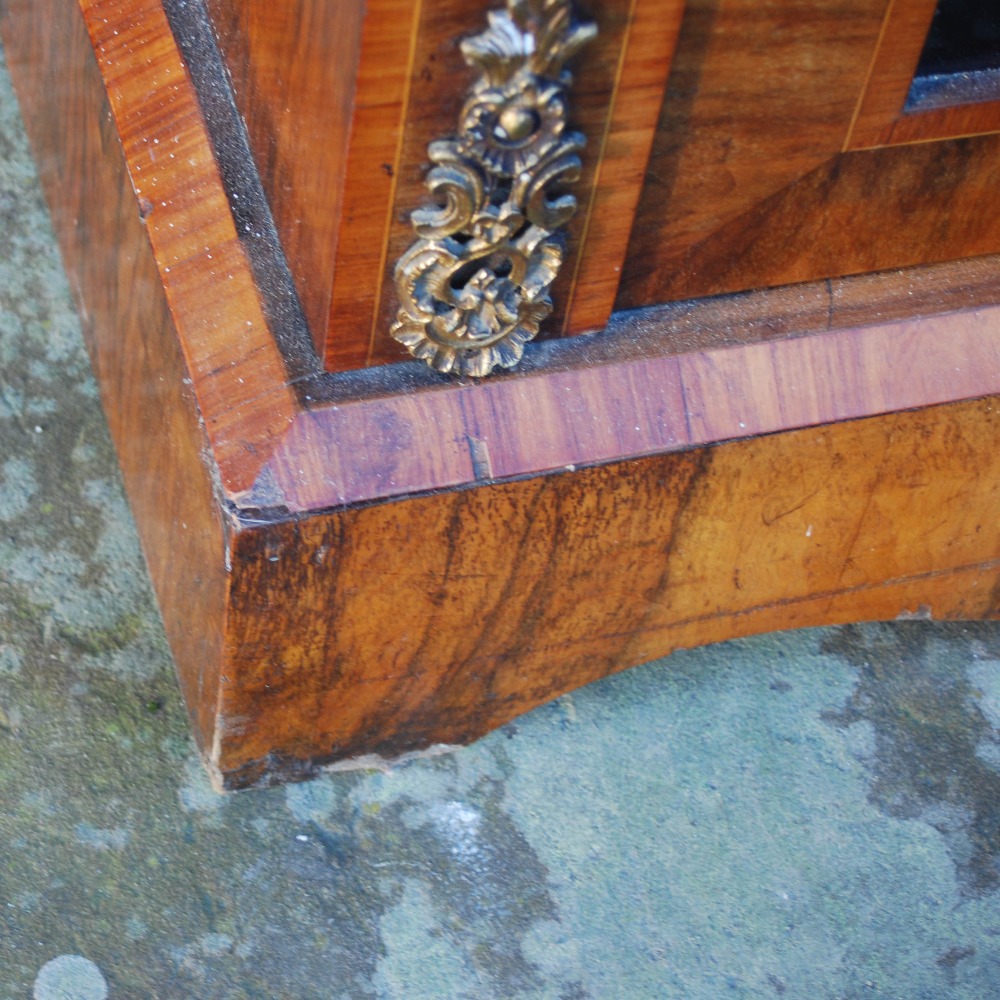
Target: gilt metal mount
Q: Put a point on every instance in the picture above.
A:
(474, 287)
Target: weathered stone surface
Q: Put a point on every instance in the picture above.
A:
(803, 815)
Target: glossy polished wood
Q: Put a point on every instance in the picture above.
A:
(293, 69)
(881, 117)
(749, 185)
(236, 369)
(614, 103)
(619, 163)
(436, 619)
(369, 449)
(386, 66)
(341, 101)
(760, 174)
(373, 562)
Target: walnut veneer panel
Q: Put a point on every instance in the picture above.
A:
(293, 67)
(748, 186)
(341, 101)
(436, 619)
(412, 82)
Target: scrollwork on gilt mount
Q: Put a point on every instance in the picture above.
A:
(474, 287)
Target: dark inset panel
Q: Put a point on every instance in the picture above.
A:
(964, 37)
(960, 61)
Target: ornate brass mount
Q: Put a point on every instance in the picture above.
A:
(475, 286)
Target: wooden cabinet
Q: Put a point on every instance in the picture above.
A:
(765, 396)
(770, 156)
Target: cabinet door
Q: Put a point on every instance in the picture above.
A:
(341, 101)
(786, 152)
(731, 145)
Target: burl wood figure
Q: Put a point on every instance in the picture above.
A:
(461, 352)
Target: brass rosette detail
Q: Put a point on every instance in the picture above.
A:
(474, 287)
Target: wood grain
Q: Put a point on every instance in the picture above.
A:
(748, 186)
(293, 67)
(797, 310)
(411, 84)
(758, 97)
(266, 436)
(377, 448)
(340, 135)
(236, 368)
(438, 81)
(881, 116)
(436, 619)
(868, 210)
(382, 99)
(619, 164)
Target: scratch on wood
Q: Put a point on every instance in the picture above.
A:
(770, 519)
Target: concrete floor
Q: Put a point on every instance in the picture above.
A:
(807, 815)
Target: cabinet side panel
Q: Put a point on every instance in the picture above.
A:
(144, 383)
